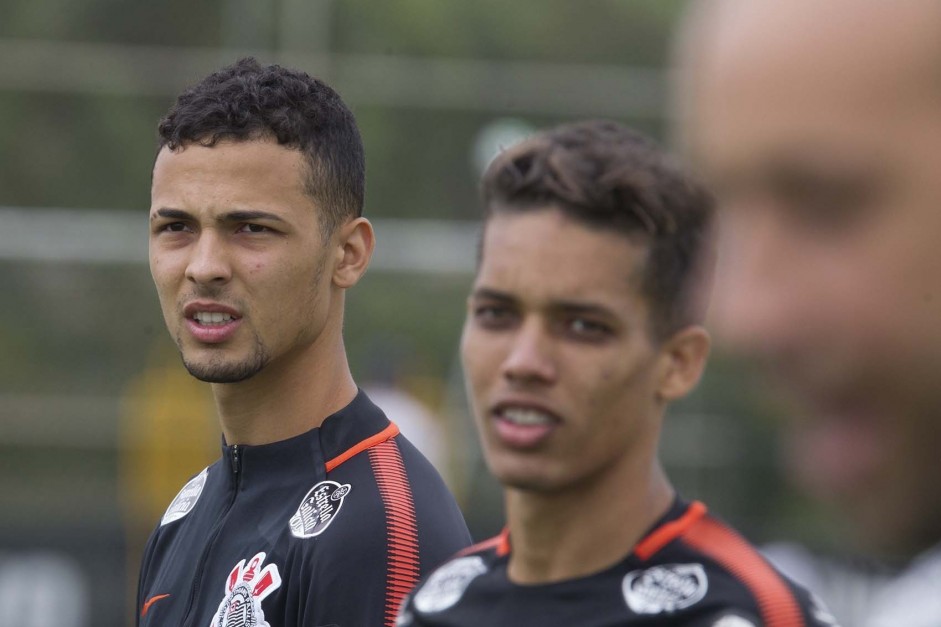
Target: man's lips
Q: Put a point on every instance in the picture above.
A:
(196, 306)
(210, 322)
(523, 424)
(839, 451)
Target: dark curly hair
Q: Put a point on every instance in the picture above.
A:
(606, 176)
(247, 101)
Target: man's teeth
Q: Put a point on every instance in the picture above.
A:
(212, 317)
(526, 416)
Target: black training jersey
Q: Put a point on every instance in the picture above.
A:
(332, 527)
(689, 570)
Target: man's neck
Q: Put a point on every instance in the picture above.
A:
(574, 533)
(288, 397)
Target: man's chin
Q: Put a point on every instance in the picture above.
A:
(533, 481)
(223, 373)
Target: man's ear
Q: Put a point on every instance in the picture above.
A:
(684, 360)
(353, 244)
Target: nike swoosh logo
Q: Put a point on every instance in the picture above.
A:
(150, 602)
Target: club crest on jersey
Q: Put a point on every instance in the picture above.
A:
(665, 588)
(733, 621)
(820, 612)
(185, 500)
(318, 509)
(446, 585)
(245, 589)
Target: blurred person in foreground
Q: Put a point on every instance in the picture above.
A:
(319, 512)
(582, 326)
(818, 125)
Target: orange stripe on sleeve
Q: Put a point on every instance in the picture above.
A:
(388, 433)
(402, 559)
(776, 602)
(501, 541)
(503, 548)
(668, 532)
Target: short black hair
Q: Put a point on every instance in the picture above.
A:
(606, 176)
(247, 101)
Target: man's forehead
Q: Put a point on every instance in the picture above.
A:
(549, 237)
(844, 33)
(804, 79)
(544, 256)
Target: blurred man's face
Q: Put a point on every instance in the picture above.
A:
(560, 365)
(819, 127)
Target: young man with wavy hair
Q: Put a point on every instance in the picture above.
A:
(583, 324)
(319, 511)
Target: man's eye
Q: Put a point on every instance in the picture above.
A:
(491, 316)
(175, 227)
(253, 228)
(588, 329)
(822, 205)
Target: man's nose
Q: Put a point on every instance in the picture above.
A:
(209, 261)
(756, 290)
(530, 359)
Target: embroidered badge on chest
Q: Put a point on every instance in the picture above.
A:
(733, 621)
(666, 588)
(447, 585)
(245, 589)
(183, 503)
(318, 509)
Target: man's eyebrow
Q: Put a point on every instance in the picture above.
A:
(231, 216)
(576, 307)
(567, 306)
(170, 214)
(248, 216)
(491, 294)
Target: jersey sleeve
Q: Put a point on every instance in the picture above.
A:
(142, 575)
(406, 614)
(815, 615)
(439, 522)
(398, 522)
(347, 583)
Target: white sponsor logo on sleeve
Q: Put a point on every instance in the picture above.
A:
(665, 588)
(184, 502)
(447, 585)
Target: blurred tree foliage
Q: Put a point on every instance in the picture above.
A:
(83, 149)
(589, 31)
(89, 150)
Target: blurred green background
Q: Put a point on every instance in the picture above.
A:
(99, 425)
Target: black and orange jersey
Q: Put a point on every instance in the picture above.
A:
(689, 570)
(332, 527)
